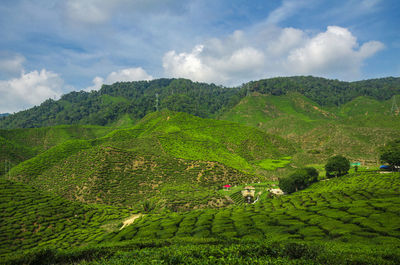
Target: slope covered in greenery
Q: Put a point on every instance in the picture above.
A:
(172, 160)
(349, 220)
(32, 219)
(356, 129)
(356, 208)
(18, 145)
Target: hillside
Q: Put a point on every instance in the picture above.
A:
(32, 219)
(18, 145)
(356, 129)
(172, 160)
(134, 100)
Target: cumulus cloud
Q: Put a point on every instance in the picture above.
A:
(29, 89)
(269, 51)
(334, 52)
(124, 75)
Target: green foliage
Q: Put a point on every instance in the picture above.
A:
(391, 154)
(351, 209)
(137, 99)
(337, 166)
(300, 179)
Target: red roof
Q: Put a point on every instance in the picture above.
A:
(227, 186)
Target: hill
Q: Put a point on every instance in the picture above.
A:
(131, 101)
(128, 100)
(18, 145)
(356, 129)
(172, 160)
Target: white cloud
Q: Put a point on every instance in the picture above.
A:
(270, 51)
(334, 52)
(28, 90)
(124, 75)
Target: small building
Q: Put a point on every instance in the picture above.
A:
(277, 191)
(248, 193)
(227, 187)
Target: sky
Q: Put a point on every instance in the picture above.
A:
(49, 48)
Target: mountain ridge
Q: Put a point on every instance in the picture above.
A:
(139, 98)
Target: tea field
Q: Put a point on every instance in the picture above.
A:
(33, 219)
(353, 219)
(356, 208)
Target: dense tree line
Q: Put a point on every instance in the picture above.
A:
(139, 98)
(328, 92)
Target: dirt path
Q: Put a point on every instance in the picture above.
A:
(130, 220)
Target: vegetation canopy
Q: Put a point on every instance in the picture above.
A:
(337, 166)
(391, 154)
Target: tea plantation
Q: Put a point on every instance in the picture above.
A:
(169, 159)
(356, 208)
(33, 219)
(349, 220)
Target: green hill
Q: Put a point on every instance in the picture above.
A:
(356, 129)
(172, 160)
(18, 145)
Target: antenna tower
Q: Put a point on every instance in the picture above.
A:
(395, 108)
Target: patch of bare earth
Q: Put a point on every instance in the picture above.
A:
(130, 220)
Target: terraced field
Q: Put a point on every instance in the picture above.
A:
(346, 209)
(33, 219)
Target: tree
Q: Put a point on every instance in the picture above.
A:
(300, 179)
(337, 166)
(391, 154)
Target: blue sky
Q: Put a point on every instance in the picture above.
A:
(48, 48)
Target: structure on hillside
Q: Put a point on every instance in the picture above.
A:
(227, 187)
(277, 191)
(248, 193)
